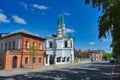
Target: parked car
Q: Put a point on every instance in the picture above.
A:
(112, 60)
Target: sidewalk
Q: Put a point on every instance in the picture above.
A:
(116, 72)
(20, 71)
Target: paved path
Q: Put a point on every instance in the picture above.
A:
(116, 72)
(88, 71)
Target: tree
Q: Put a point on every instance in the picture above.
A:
(33, 53)
(109, 21)
(106, 56)
(80, 56)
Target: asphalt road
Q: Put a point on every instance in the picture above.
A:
(88, 71)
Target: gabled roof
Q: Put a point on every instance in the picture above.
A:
(89, 51)
(21, 31)
(77, 51)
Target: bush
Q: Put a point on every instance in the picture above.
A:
(106, 56)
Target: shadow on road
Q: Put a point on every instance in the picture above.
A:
(94, 72)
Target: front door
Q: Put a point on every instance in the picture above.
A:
(51, 60)
(14, 62)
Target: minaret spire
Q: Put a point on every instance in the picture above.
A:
(59, 23)
(59, 30)
(63, 25)
(63, 18)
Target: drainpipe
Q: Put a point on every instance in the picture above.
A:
(21, 66)
(4, 63)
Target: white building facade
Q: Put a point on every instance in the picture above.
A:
(59, 47)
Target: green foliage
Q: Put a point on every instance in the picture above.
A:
(33, 53)
(106, 56)
(80, 56)
(109, 21)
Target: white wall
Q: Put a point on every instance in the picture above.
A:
(15, 38)
(58, 47)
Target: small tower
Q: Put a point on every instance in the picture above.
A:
(63, 25)
(59, 30)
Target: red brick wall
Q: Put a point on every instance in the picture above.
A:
(24, 52)
(27, 52)
(9, 59)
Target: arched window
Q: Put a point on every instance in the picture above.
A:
(68, 59)
(58, 59)
(40, 60)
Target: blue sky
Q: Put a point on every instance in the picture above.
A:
(40, 17)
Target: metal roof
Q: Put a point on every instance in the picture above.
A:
(22, 31)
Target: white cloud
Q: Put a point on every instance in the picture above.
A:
(67, 14)
(92, 43)
(3, 18)
(70, 30)
(24, 5)
(19, 20)
(41, 7)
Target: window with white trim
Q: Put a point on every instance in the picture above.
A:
(40, 60)
(1, 46)
(6, 46)
(26, 60)
(27, 44)
(50, 44)
(40, 46)
(13, 45)
(9, 45)
(34, 60)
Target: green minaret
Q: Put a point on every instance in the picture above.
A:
(59, 30)
(63, 18)
(59, 23)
